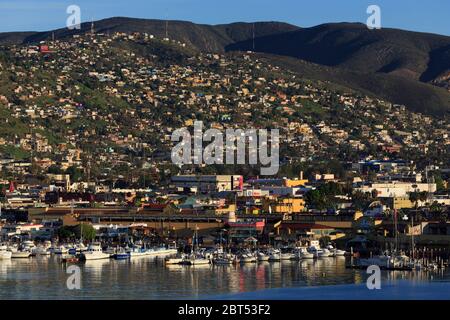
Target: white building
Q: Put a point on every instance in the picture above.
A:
(397, 189)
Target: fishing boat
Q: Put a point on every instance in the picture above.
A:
(4, 253)
(94, 252)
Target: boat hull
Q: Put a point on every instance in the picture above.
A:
(86, 256)
(20, 255)
(5, 255)
(121, 256)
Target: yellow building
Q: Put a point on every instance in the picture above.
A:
(400, 203)
(284, 205)
(295, 183)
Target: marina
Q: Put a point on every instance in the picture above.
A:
(44, 277)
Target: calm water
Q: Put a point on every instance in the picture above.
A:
(148, 278)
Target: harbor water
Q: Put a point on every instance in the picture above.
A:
(148, 278)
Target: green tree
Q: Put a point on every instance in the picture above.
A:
(65, 232)
(75, 173)
(86, 230)
(315, 199)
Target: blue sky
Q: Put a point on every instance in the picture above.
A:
(418, 15)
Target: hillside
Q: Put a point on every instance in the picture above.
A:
(404, 67)
(115, 98)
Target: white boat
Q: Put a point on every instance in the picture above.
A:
(286, 256)
(111, 251)
(317, 251)
(94, 252)
(4, 253)
(174, 260)
(335, 252)
(40, 251)
(28, 245)
(20, 254)
(296, 255)
(196, 261)
(305, 254)
(137, 252)
(222, 260)
(274, 255)
(161, 251)
(76, 248)
(247, 258)
(261, 256)
(60, 250)
(80, 247)
(383, 261)
(13, 248)
(323, 253)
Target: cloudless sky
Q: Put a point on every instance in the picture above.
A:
(417, 15)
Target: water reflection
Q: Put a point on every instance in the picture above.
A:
(149, 278)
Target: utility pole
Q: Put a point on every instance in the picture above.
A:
(92, 27)
(167, 29)
(253, 36)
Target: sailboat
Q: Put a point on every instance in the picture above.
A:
(196, 258)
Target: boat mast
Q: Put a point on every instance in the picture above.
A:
(396, 230)
(412, 237)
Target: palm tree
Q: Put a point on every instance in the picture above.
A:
(414, 197)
